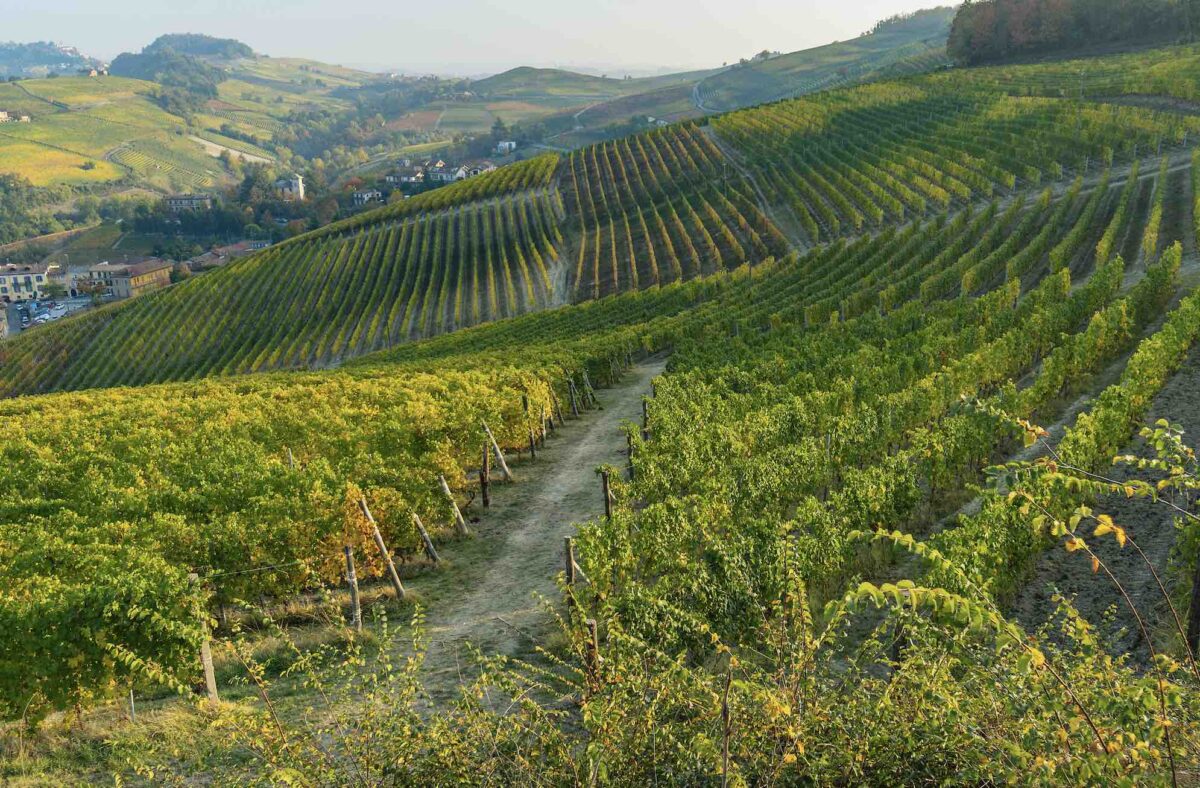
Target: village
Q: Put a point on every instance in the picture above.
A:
(408, 176)
(35, 293)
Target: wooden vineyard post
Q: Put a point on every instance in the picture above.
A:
(429, 549)
(629, 452)
(291, 460)
(485, 476)
(569, 558)
(645, 418)
(556, 409)
(592, 656)
(132, 707)
(569, 549)
(460, 524)
(393, 576)
(508, 477)
(1193, 630)
(606, 485)
(352, 581)
(206, 660)
(547, 425)
(210, 674)
(528, 429)
(588, 389)
(574, 398)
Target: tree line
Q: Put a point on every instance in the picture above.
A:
(990, 30)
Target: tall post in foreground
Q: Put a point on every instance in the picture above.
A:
(460, 524)
(393, 576)
(210, 674)
(508, 477)
(352, 581)
(206, 660)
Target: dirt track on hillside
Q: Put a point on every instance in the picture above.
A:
(493, 594)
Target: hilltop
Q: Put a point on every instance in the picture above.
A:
(918, 38)
(201, 46)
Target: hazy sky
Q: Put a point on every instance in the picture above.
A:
(460, 36)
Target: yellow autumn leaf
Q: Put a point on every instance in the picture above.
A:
(1095, 564)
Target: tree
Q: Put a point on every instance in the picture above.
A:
(499, 130)
(54, 290)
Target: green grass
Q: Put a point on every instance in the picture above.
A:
(46, 166)
(108, 122)
(83, 92)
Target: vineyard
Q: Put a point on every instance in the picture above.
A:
(659, 208)
(644, 211)
(908, 327)
(313, 304)
(884, 153)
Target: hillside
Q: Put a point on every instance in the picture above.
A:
(100, 130)
(526, 82)
(751, 450)
(918, 39)
(671, 205)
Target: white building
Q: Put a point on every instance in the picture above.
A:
(367, 196)
(506, 147)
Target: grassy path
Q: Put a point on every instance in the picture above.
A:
(491, 593)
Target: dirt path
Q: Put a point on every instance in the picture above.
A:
(216, 149)
(490, 595)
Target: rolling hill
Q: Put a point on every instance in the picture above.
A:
(671, 205)
(526, 83)
(919, 39)
(877, 506)
(95, 131)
